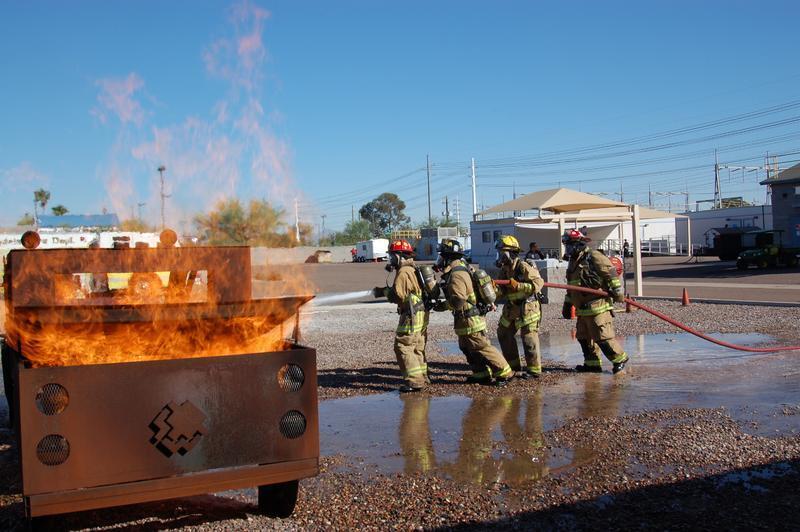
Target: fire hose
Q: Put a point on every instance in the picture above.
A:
(669, 320)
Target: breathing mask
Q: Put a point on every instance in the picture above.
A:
(502, 257)
(394, 262)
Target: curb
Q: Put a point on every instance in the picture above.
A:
(720, 301)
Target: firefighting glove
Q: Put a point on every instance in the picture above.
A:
(617, 295)
(513, 285)
(379, 291)
(566, 311)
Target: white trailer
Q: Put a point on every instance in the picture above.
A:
(376, 249)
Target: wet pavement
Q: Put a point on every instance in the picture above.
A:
(494, 438)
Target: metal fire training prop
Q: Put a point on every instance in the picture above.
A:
(676, 323)
(94, 435)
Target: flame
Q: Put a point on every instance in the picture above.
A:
(76, 307)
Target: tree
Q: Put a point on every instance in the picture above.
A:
(136, 225)
(354, 231)
(26, 219)
(436, 222)
(306, 232)
(384, 213)
(230, 223)
(40, 198)
(59, 210)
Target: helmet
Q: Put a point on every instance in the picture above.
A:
(573, 236)
(507, 242)
(451, 246)
(401, 246)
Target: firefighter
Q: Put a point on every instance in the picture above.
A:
(487, 364)
(595, 329)
(406, 293)
(521, 311)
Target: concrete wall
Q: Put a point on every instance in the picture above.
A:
(786, 200)
(262, 256)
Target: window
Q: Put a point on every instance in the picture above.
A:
(497, 235)
(486, 237)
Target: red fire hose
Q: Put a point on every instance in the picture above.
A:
(666, 318)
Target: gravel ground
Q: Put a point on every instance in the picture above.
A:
(354, 342)
(658, 469)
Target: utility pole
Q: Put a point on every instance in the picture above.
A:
(296, 222)
(352, 214)
(161, 170)
(717, 191)
(140, 205)
(446, 210)
(621, 198)
(474, 195)
(649, 196)
(458, 212)
(428, 167)
(323, 223)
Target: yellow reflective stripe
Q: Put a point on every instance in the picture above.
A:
(615, 282)
(534, 369)
(592, 362)
(504, 322)
(414, 371)
(622, 357)
(528, 319)
(463, 331)
(505, 372)
(595, 310)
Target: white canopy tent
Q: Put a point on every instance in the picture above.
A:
(564, 206)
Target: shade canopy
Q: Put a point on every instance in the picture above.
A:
(555, 200)
(616, 213)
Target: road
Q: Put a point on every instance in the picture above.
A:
(708, 278)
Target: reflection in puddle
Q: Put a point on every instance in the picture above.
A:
(499, 438)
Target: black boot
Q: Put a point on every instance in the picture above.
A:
(619, 366)
(583, 368)
(407, 388)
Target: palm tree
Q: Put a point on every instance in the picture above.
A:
(59, 210)
(40, 198)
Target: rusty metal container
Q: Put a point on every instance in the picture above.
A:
(94, 435)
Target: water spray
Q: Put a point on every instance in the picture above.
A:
(332, 299)
(666, 318)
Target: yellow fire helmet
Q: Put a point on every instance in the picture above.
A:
(507, 242)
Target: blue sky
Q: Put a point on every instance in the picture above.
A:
(332, 102)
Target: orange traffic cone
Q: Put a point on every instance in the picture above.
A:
(685, 298)
(572, 312)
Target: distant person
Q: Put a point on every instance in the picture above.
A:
(353, 254)
(534, 252)
(626, 248)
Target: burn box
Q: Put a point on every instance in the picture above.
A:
(152, 425)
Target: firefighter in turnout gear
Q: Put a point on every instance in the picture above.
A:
(487, 364)
(406, 293)
(521, 311)
(595, 329)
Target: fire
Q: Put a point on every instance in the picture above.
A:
(98, 306)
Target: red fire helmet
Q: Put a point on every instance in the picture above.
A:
(401, 246)
(573, 235)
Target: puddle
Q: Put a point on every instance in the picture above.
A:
(498, 439)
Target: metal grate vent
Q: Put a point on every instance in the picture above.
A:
(291, 378)
(293, 424)
(52, 399)
(53, 450)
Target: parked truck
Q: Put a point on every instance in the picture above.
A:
(376, 249)
(766, 250)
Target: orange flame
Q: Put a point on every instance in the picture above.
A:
(75, 307)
